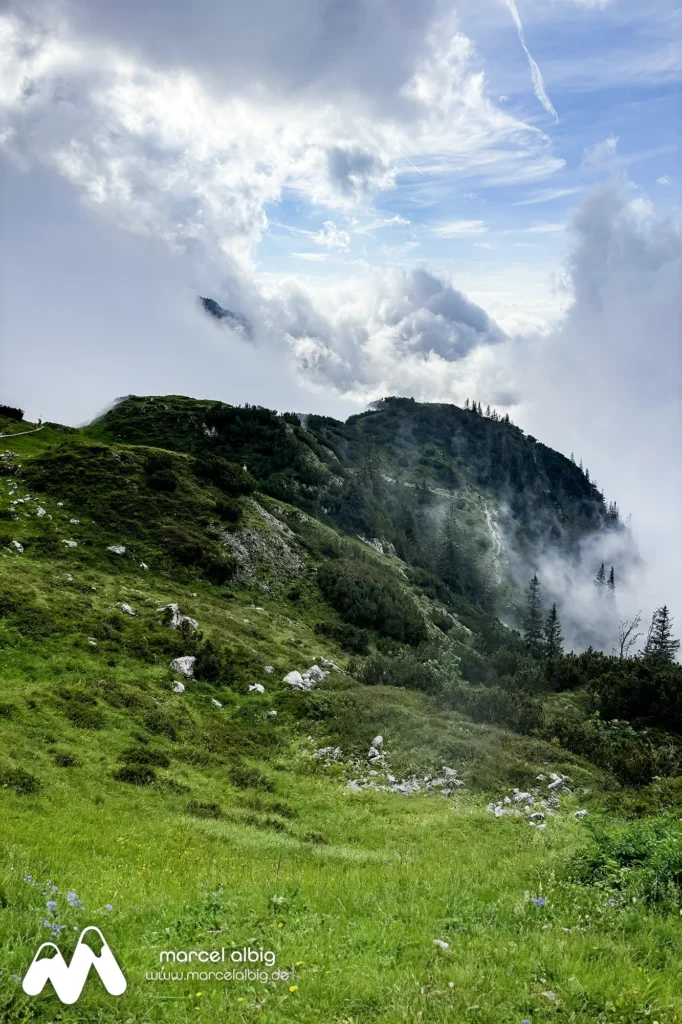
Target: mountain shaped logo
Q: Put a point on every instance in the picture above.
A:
(68, 982)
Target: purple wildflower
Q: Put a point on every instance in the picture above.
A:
(51, 905)
(108, 906)
(539, 901)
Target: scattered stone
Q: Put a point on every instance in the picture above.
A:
(533, 806)
(19, 547)
(143, 565)
(60, 504)
(75, 521)
(579, 815)
(93, 643)
(70, 543)
(269, 669)
(177, 619)
(271, 714)
(329, 664)
(117, 549)
(184, 665)
(378, 742)
(126, 609)
(178, 687)
(256, 688)
(40, 512)
(215, 703)
(441, 944)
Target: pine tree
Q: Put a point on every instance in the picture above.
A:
(450, 563)
(600, 579)
(660, 645)
(506, 418)
(487, 411)
(554, 641)
(572, 458)
(466, 404)
(532, 626)
(611, 583)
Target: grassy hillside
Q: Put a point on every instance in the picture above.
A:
(241, 812)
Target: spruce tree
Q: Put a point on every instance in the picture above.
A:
(487, 412)
(554, 640)
(466, 404)
(600, 579)
(611, 583)
(532, 626)
(661, 646)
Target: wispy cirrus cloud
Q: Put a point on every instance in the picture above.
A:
(458, 228)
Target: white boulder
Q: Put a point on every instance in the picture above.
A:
(215, 703)
(19, 547)
(177, 619)
(315, 674)
(296, 682)
(70, 543)
(269, 669)
(40, 512)
(184, 665)
(143, 565)
(256, 688)
(378, 742)
(117, 549)
(126, 609)
(178, 687)
(579, 815)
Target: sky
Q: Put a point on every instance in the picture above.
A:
(431, 199)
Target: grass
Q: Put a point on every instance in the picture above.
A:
(205, 826)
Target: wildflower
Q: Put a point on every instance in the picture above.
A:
(108, 906)
(293, 988)
(540, 901)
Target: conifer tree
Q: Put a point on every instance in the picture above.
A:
(532, 626)
(600, 579)
(487, 411)
(611, 583)
(554, 640)
(466, 404)
(661, 645)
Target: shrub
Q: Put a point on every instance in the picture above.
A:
(227, 476)
(84, 715)
(494, 705)
(20, 781)
(136, 774)
(350, 638)
(405, 670)
(204, 810)
(160, 724)
(244, 777)
(367, 596)
(229, 510)
(143, 755)
(64, 760)
(640, 860)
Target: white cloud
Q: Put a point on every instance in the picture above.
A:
(536, 74)
(544, 229)
(457, 228)
(548, 195)
(601, 154)
(665, 179)
(311, 257)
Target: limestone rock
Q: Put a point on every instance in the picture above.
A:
(184, 665)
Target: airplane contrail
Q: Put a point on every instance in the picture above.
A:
(536, 74)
